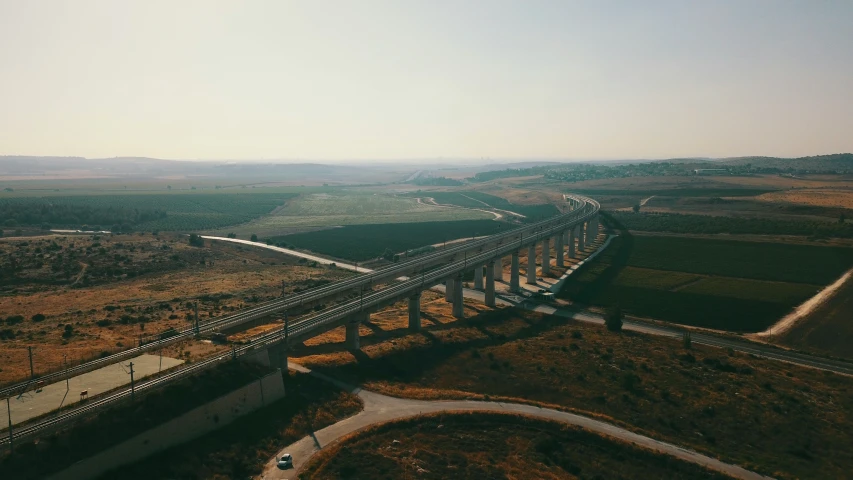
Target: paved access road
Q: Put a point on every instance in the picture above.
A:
(33, 403)
(380, 409)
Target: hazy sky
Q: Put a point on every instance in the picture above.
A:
(354, 79)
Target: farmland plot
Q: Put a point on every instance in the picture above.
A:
(727, 285)
(325, 210)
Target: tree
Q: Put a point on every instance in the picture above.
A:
(636, 208)
(687, 340)
(842, 218)
(232, 235)
(196, 240)
(253, 238)
(613, 318)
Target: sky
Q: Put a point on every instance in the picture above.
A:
(405, 79)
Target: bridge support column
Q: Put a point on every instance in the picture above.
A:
(353, 340)
(478, 278)
(572, 243)
(448, 290)
(546, 256)
(499, 270)
(277, 355)
(513, 274)
(415, 312)
(490, 284)
(458, 298)
(558, 247)
(593, 227)
(531, 264)
(581, 237)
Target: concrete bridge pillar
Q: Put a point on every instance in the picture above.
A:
(581, 237)
(490, 284)
(572, 242)
(448, 289)
(458, 298)
(513, 275)
(353, 340)
(478, 278)
(558, 247)
(531, 264)
(593, 228)
(499, 270)
(415, 312)
(546, 256)
(277, 355)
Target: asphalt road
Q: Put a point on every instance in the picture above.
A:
(380, 409)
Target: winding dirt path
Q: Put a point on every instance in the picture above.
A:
(381, 408)
(433, 203)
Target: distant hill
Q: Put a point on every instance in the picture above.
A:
(837, 162)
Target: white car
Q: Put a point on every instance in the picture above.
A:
(286, 461)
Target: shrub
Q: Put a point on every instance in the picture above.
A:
(253, 238)
(14, 319)
(196, 240)
(613, 319)
(39, 317)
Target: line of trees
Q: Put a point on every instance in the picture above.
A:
(14, 214)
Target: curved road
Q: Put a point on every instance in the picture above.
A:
(380, 409)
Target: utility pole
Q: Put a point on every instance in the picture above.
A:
(132, 389)
(11, 442)
(32, 371)
(196, 318)
(67, 379)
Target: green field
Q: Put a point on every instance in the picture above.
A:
(722, 284)
(364, 242)
(183, 211)
(758, 260)
(707, 224)
(649, 278)
(352, 208)
(472, 199)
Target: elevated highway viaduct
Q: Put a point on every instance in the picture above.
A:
(568, 234)
(403, 281)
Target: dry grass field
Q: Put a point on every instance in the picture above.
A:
(107, 313)
(811, 197)
(490, 445)
(780, 419)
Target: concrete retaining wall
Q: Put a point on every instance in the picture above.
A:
(193, 424)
